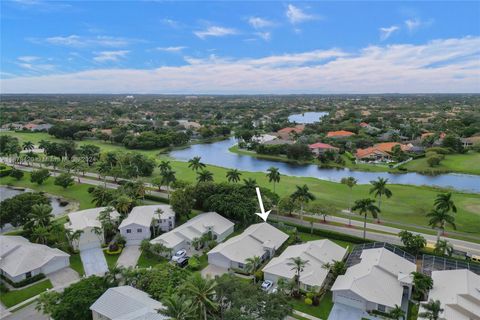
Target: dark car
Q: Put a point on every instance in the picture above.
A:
(182, 262)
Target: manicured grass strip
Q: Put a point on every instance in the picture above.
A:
(463, 163)
(111, 259)
(14, 297)
(312, 237)
(76, 264)
(321, 311)
(146, 261)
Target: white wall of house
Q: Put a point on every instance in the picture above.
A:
(272, 277)
(166, 224)
(55, 265)
(98, 316)
(22, 276)
(221, 237)
(219, 259)
(349, 298)
(134, 233)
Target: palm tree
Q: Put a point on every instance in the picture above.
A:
(273, 175)
(397, 313)
(440, 218)
(113, 272)
(303, 196)
(365, 206)
(285, 286)
(98, 231)
(250, 183)
(28, 145)
(336, 267)
(433, 310)
(168, 177)
(233, 175)
(252, 264)
(297, 264)
(40, 215)
(165, 166)
(379, 189)
(204, 176)
(444, 202)
(443, 247)
(197, 243)
(40, 234)
(74, 237)
(195, 163)
(123, 204)
(177, 308)
(350, 182)
(422, 284)
(202, 293)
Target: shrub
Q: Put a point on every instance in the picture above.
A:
(39, 176)
(3, 288)
(258, 275)
(194, 263)
(439, 150)
(434, 160)
(5, 171)
(24, 282)
(308, 301)
(16, 174)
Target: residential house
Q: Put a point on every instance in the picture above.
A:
(20, 259)
(261, 240)
(263, 138)
(470, 142)
(380, 152)
(86, 221)
(320, 148)
(339, 134)
(393, 134)
(136, 226)
(317, 253)
(206, 223)
(286, 133)
(459, 294)
(126, 303)
(380, 281)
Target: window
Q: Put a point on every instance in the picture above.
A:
(381, 308)
(240, 265)
(28, 275)
(139, 230)
(129, 230)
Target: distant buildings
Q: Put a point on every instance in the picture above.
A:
(320, 148)
(380, 152)
(339, 134)
(286, 133)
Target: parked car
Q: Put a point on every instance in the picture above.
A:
(179, 254)
(183, 262)
(266, 285)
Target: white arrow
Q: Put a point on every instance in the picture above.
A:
(263, 215)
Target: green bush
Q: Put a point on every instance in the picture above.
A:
(440, 150)
(3, 288)
(308, 301)
(5, 171)
(16, 174)
(259, 275)
(24, 282)
(193, 263)
(155, 198)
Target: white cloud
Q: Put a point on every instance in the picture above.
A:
(296, 15)
(386, 32)
(215, 31)
(76, 41)
(170, 22)
(259, 23)
(27, 58)
(414, 24)
(112, 56)
(170, 49)
(439, 66)
(264, 35)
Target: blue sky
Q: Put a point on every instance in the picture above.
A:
(239, 47)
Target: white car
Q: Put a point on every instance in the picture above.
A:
(266, 285)
(179, 254)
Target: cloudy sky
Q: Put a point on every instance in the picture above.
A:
(239, 47)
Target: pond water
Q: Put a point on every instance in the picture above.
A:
(6, 193)
(307, 117)
(217, 154)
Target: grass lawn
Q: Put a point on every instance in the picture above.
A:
(311, 237)
(409, 204)
(464, 163)
(145, 261)
(14, 297)
(76, 263)
(111, 259)
(321, 311)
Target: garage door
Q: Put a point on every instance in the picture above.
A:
(54, 265)
(359, 304)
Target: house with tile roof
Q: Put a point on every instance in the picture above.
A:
(320, 148)
(339, 134)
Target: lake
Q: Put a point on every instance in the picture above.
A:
(217, 154)
(307, 117)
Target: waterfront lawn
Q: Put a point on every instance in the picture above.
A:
(463, 163)
(14, 297)
(321, 311)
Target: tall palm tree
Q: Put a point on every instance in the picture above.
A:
(444, 202)
(350, 182)
(297, 264)
(40, 234)
(422, 284)
(273, 175)
(439, 219)
(164, 166)
(233, 175)
(195, 163)
(397, 313)
(250, 183)
(252, 264)
(168, 177)
(379, 189)
(177, 308)
(433, 310)
(202, 293)
(443, 247)
(41, 215)
(303, 196)
(123, 204)
(74, 237)
(336, 267)
(28, 145)
(204, 176)
(364, 207)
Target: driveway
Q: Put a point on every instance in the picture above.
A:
(344, 312)
(212, 271)
(129, 256)
(94, 262)
(27, 313)
(63, 277)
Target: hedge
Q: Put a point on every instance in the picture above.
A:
(156, 198)
(5, 171)
(24, 282)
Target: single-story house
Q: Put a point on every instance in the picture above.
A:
(380, 151)
(20, 259)
(316, 253)
(320, 148)
(380, 281)
(339, 134)
(202, 224)
(261, 240)
(136, 226)
(470, 141)
(126, 303)
(459, 294)
(285, 133)
(87, 222)
(263, 138)
(278, 142)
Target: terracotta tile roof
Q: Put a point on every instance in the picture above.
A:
(341, 133)
(388, 146)
(364, 124)
(362, 153)
(320, 145)
(297, 129)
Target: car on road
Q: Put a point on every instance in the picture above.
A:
(183, 262)
(179, 254)
(266, 285)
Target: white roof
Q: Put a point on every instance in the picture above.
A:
(317, 253)
(195, 228)
(127, 303)
(19, 256)
(252, 242)
(143, 215)
(83, 219)
(459, 294)
(376, 277)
